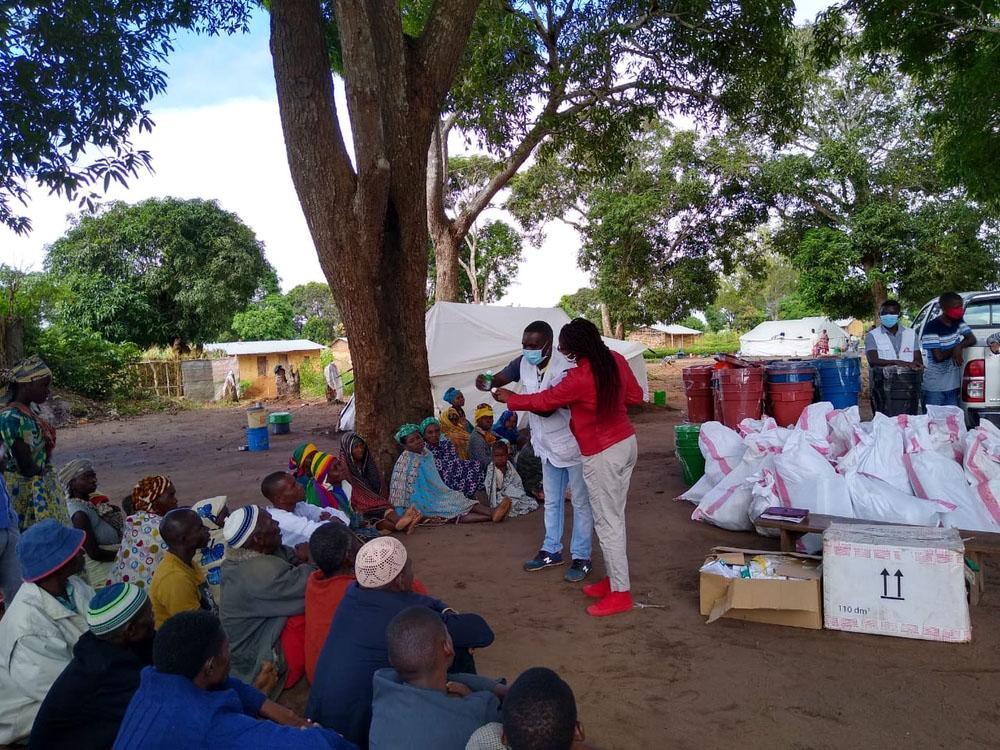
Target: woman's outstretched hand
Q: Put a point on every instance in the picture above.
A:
(502, 394)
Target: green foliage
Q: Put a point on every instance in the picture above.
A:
(582, 304)
(159, 270)
(591, 74)
(79, 75)
(312, 381)
(715, 318)
(865, 214)
(316, 314)
(27, 300)
(85, 362)
(489, 258)
(768, 288)
(709, 344)
(692, 322)
(655, 235)
(951, 49)
(270, 319)
(492, 256)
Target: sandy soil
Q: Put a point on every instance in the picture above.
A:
(653, 678)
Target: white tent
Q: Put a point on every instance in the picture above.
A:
(466, 340)
(790, 338)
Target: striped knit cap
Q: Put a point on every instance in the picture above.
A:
(240, 525)
(114, 606)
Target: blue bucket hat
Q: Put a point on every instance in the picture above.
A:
(46, 547)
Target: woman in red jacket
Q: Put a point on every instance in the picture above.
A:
(596, 392)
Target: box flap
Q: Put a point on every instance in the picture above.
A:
(768, 552)
(772, 594)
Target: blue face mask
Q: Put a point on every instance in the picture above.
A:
(888, 320)
(533, 356)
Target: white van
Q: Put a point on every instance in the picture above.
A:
(980, 396)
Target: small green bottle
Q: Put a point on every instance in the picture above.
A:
(488, 377)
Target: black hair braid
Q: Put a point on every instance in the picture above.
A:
(581, 339)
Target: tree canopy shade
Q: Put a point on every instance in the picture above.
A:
(160, 270)
(951, 49)
(316, 315)
(657, 235)
(864, 210)
(270, 319)
(75, 79)
(584, 77)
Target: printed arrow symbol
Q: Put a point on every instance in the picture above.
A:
(899, 584)
(885, 582)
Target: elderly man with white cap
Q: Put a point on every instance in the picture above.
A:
(355, 648)
(263, 602)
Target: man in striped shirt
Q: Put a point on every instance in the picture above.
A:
(945, 338)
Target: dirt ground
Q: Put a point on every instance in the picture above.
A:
(653, 678)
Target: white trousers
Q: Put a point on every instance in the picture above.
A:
(607, 475)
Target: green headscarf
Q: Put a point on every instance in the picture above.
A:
(427, 423)
(405, 431)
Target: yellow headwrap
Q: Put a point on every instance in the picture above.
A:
(484, 410)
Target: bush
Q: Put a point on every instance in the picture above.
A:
(85, 362)
(725, 342)
(311, 380)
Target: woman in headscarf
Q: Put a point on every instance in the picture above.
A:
(213, 513)
(327, 482)
(142, 547)
(454, 424)
(502, 482)
(506, 428)
(369, 494)
(95, 516)
(418, 492)
(29, 441)
(482, 439)
(464, 476)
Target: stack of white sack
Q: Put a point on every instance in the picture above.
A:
(923, 470)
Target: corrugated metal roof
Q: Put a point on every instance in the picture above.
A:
(235, 348)
(676, 330)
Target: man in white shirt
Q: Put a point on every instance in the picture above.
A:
(296, 518)
(539, 367)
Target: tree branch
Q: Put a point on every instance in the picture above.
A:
(443, 42)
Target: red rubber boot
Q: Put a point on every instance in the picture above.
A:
(613, 604)
(598, 590)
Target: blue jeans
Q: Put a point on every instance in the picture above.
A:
(554, 484)
(941, 398)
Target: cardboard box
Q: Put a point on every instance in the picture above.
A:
(797, 602)
(904, 581)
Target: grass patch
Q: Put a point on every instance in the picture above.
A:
(726, 342)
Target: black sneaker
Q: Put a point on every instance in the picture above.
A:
(579, 570)
(543, 560)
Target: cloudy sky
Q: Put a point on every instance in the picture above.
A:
(217, 135)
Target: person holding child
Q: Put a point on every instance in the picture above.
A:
(503, 483)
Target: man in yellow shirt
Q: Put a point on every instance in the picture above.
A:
(178, 584)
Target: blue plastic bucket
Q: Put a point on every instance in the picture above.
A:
(790, 372)
(257, 439)
(839, 380)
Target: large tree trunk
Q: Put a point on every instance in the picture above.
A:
(606, 320)
(369, 223)
(446, 247)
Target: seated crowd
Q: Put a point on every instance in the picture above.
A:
(160, 626)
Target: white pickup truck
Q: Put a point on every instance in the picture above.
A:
(980, 397)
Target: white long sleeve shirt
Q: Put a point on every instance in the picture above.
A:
(298, 526)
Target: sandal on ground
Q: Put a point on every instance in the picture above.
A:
(501, 511)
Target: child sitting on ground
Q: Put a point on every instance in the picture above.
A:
(416, 703)
(503, 482)
(539, 713)
(332, 547)
(296, 518)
